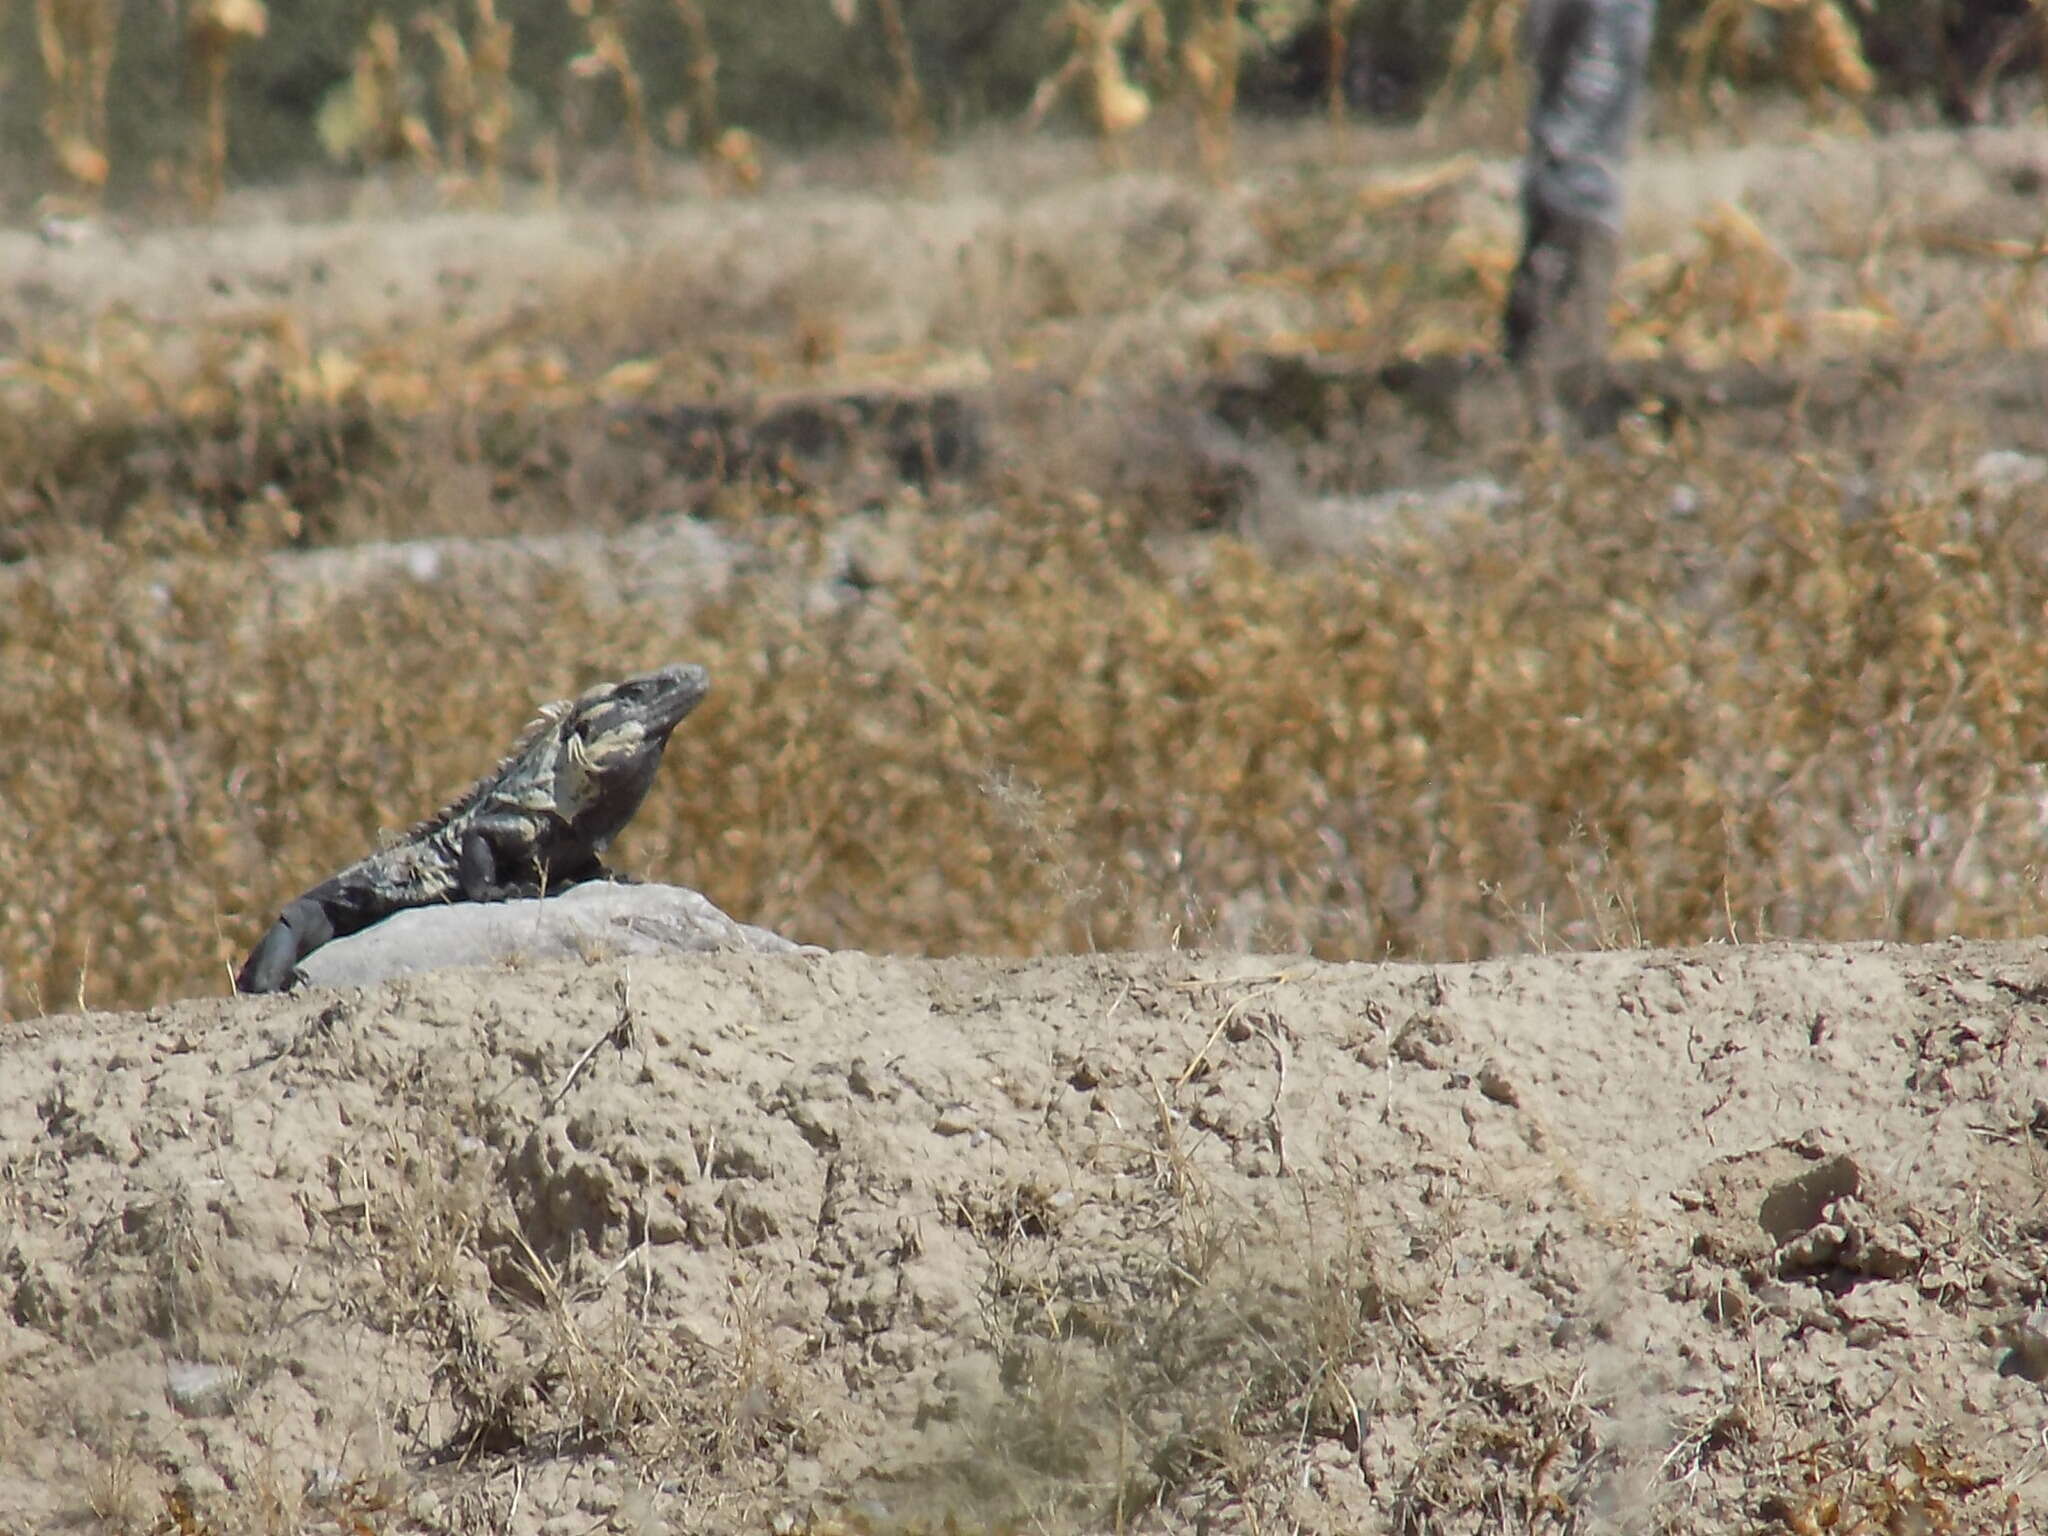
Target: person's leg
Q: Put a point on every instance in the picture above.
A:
(1556, 320)
(1589, 57)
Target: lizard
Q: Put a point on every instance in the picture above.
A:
(537, 822)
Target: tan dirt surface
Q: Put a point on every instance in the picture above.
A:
(1722, 1240)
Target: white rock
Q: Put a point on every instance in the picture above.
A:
(594, 921)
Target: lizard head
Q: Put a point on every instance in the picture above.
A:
(583, 765)
(614, 734)
(618, 722)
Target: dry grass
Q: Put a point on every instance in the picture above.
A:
(1098, 38)
(606, 54)
(1765, 720)
(1177, 1368)
(75, 40)
(212, 34)
(1462, 57)
(585, 1365)
(1809, 45)
(1685, 692)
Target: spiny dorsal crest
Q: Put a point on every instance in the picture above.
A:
(542, 727)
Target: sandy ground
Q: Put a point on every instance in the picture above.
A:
(1721, 1240)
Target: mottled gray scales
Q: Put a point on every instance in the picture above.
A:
(540, 821)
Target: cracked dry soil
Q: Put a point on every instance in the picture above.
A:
(1723, 1240)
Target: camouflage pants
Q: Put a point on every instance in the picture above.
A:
(1589, 58)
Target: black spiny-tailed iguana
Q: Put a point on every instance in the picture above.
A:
(537, 822)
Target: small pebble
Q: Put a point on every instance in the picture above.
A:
(954, 1120)
(2029, 1340)
(199, 1391)
(1493, 1082)
(200, 1484)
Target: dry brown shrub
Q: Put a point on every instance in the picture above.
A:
(213, 30)
(1724, 298)
(909, 120)
(1483, 77)
(75, 40)
(702, 116)
(605, 54)
(1583, 726)
(1809, 45)
(386, 130)
(1796, 707)
(1211, 54)
(1098, 36)
(1336, 44)
(454, 87)
(490, 55)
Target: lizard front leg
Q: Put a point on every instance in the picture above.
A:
(481, 875)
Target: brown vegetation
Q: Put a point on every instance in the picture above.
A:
(75, 41)
(104, 122)
(1703, 686)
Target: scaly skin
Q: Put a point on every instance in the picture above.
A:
(538, 822)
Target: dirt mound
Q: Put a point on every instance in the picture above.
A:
(1675, 1241)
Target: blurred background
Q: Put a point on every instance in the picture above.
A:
(124, 95)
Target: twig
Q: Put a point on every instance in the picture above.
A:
(620, 1035)
(1261, 987)
(1271, 1035)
